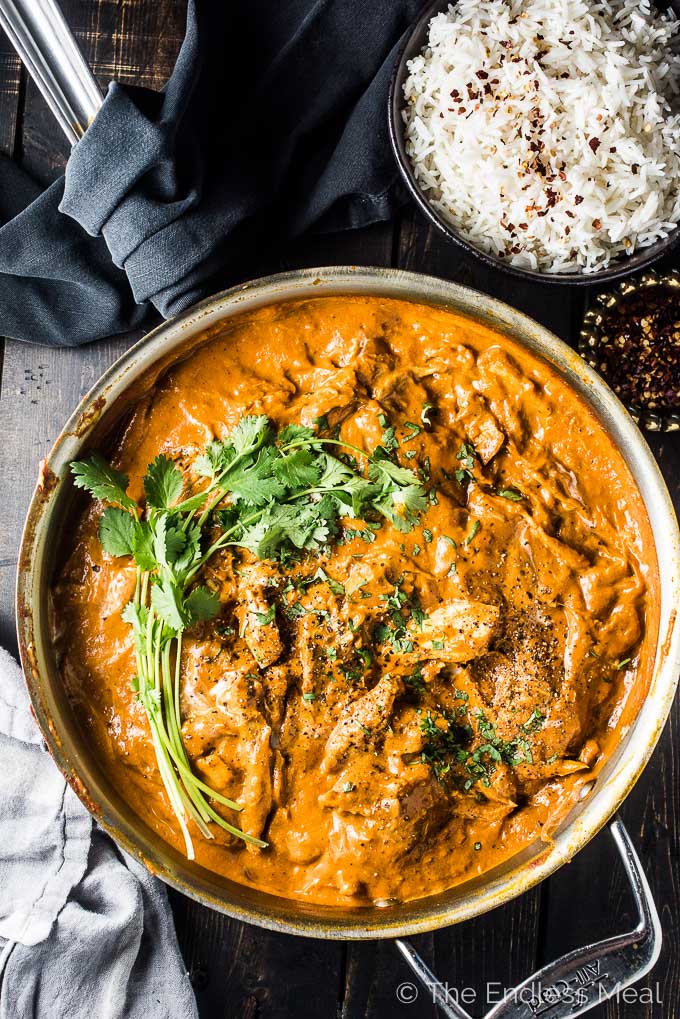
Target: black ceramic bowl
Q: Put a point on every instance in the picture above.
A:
(412, 46)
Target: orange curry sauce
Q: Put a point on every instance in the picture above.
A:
(531, 619)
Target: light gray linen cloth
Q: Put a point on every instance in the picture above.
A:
(85, 931)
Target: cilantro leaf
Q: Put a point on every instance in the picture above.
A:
(166, 601)
(202, 604)
(190, 554)
(102, 481)
(117, 531)
(162, 482)
(382, 469)
(412, 497)
(216, 459)
(160, 544)
(253, 482)
(175, 541)
(295, 433)
(297, 469)
(142, 547)
(335, 473)
(249, 434)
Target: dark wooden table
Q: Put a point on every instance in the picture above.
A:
(239, 970)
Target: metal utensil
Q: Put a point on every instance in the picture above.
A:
(46, 45)
(578, 981)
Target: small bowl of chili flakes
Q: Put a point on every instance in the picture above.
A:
(631, 336)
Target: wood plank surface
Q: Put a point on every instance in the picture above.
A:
(11, 82)
(238, 970)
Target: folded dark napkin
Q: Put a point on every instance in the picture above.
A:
(273, 122)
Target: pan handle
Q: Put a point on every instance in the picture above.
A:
(40, 35)
(580, 980)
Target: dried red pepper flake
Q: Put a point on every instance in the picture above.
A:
(639, 348)
(594, 143)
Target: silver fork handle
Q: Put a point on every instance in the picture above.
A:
(45, 43)
(580, 980)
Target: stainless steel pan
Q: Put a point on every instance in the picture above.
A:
(51, 511)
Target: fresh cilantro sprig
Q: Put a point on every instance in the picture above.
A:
(165, 544)
(276, 495)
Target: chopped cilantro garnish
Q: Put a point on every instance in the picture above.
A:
(448, 749)
(511, 493)
(471, 536)
(389, 435)
(335, 585)
(266, 618)
(467, 454)
(295, 610)
(534, 721)
(415, 680)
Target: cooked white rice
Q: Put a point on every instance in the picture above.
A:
(548, 131)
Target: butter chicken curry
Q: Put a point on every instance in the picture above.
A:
(378, 579)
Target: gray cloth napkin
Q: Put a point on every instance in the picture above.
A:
(85, 931)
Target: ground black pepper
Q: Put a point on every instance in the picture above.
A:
(639, 352)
